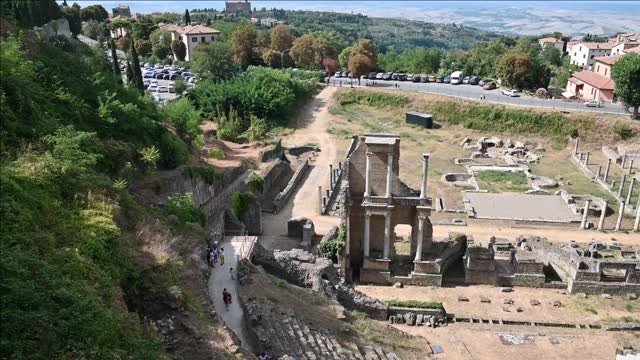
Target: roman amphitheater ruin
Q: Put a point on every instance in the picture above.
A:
(366, 192)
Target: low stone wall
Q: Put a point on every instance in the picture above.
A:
(396, 310)
(529, 280)
(284, 195)
(598, 287)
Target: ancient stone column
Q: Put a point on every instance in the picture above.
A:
(585, 214)
(621, 189)
(636, 224)
(586, 158)
(420, 237)
(598, 172)
(603, 213)
(389, 174)
(620, 214)
(575, 147)
(630, 166)
(366, 234)
(367, 177)
(331, 176)
(320, 198)
(425, 168)
(630, 190)
(624, 160)
(606, 171)
(387, 235)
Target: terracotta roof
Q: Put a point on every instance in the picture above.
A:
(609, 60)
(189, 29)
(595, 80)
(633, 50)
(550, 40)
(576, 81)
(596, 45)
(198, 29)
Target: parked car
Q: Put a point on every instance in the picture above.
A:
(186, 73)
(593, 103)
(379, 76)
(409, 77)
(170, 87)
(447, 80)
(192, 80)
(152, 88)
(489, 85)
(147, 65)
(387, 76)
(402, 76)
(153, 82)
(465, 80)
(432, 78)
(157, 66)
(474, 80)
(372, 75)
(424, 79)
(158, 75)
(482, 82)
(439, 79)
(147, 74)
(346, 74)
(510, 92)
(163, 89)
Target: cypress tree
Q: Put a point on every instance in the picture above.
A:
(137, 73)
(187, 17)
(130, 73)
(114, 60)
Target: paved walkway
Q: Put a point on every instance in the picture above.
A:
(220, 278)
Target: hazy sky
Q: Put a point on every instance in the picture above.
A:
(509, 16)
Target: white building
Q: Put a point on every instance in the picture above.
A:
(192, 36)
(551, 41)
(583, 54)
(621, 48)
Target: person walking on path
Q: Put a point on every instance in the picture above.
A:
(231, 273)
(221, 256)
(226, 297)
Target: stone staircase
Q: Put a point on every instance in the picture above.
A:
(291, 336)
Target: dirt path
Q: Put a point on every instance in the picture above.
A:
(310, 129)
(220, 279)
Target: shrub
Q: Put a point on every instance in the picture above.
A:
(414, 304)
(256, 131)
(256, 183)
(186, 120)
(173, 152)
(623, 131)
(240, 202)
(373, 99)
(216, 154)
(207, 173)
(181, 206)
(332, 248)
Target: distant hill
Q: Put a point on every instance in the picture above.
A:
(387, 33)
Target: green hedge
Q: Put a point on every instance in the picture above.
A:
(415, 304)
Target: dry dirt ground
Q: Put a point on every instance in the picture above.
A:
(481, 341)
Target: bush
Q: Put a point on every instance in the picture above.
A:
(623, 131)
(216, 154)
(414, 304)
(186, 120)
(181, 206)
(240, 202)
(373, 99)
(173, 152)
(256, 183)
(207, 173)
(332, 248)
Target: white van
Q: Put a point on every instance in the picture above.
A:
(456, 77)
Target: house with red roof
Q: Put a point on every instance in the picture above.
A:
(551, 41)
(192, 36)
(583, 54)
(594, 84)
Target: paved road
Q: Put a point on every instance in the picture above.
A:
(473, 92)
(221, 278)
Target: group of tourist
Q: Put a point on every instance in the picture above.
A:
(215, 254)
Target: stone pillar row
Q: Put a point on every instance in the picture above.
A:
(585, 215)
(425, 169)
(389, 174)
(367, 223)
(367, 177)
(603, 214)
(420, 237)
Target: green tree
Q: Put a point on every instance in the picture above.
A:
(179, 49)
(94, 29)
(94, 12)
(143, 27)
(513, 68)
(179, 86)
(323, 49)
(344, 56)
(72, 14)
(144, 47)
(626, 74)
(281, 38)
(214, 61)
(114, 60)
(244, 41)
(30, 13)
(302, 52)
(368, 49)
(552, 55)
(137, 72)
(185, 119)
(161, 50)
(160, 36)
(359, 65)
(187, 17)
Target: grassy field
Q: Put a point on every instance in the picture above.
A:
(500, 181)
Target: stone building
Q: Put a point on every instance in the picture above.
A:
(237, 7)
(373, 201)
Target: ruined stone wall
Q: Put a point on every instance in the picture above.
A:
(357, 171)
(284, 195)
(599, 287)
(528, 280)
(274, 173)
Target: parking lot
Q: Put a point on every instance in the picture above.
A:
(475, 92)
